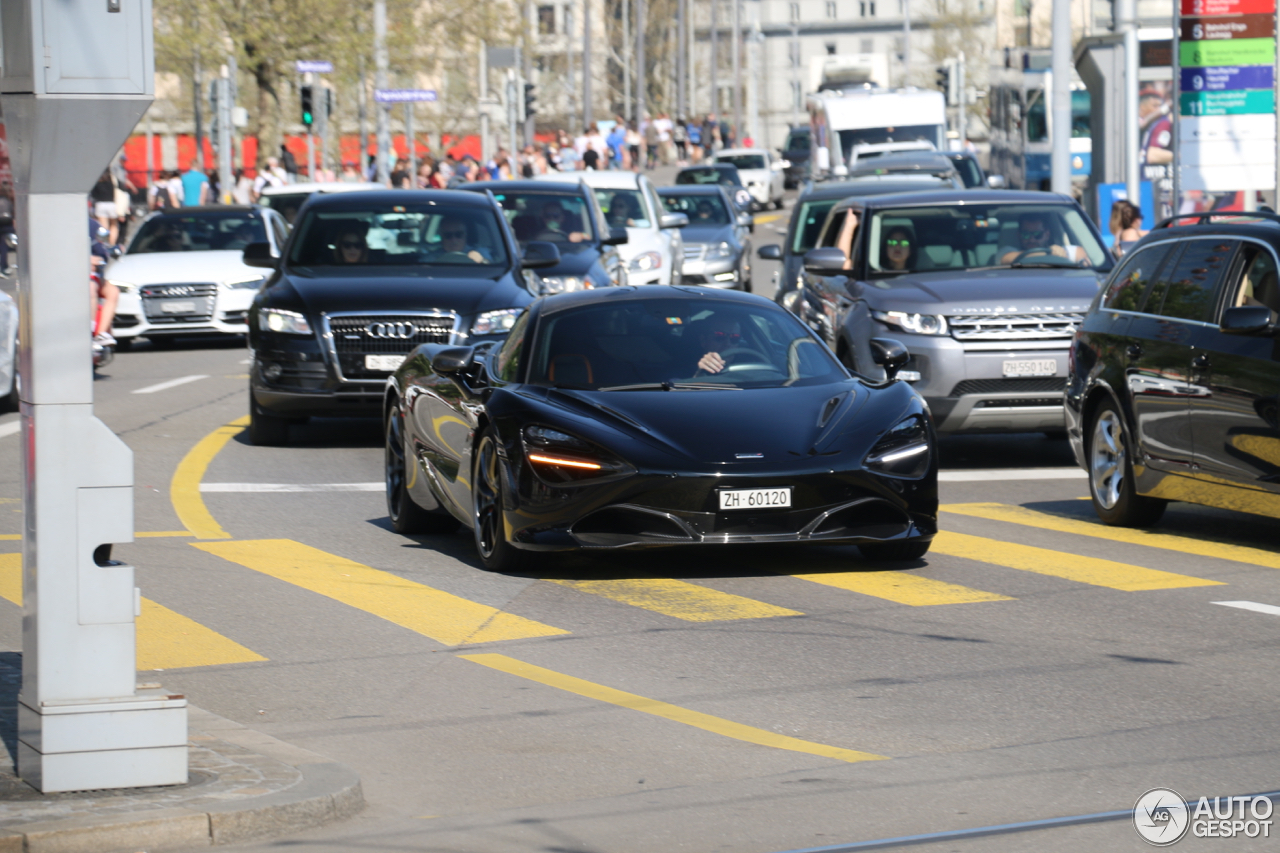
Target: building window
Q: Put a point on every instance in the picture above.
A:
(831, 48)
(831, 8)
(795, 13)
(867, 8)
(868, 46)
(546, 20)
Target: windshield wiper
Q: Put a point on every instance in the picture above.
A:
(672, 386)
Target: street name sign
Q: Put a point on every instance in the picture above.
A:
(401, 96)
(314, 66)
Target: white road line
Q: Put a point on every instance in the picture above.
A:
(10, 429)
(1269, 609)
(1012, 474)
(292, 487)
(172, 383)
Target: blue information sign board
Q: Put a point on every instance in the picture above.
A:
(1228, 77)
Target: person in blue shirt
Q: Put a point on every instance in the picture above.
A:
(195, 187)
(615, 140)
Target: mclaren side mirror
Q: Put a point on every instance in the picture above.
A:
(452, 361)
(1247, 320)
(996, 182)
(771, 252)
(259, 255)
(826, 261)
(889, 354)
(617, 237)
(539, 254)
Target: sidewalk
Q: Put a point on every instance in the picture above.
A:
(243, 786)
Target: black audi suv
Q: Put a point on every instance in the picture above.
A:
(364, 279)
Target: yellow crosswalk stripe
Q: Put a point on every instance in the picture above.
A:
(1090, 570)
(433, 613)
(675, 713)
(1098, 530)
(903, 588)
(166, 640)
(682, 600)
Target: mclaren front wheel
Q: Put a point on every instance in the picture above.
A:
(488, 498)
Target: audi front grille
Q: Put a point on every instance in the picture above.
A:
(355, 336)
(175, 304)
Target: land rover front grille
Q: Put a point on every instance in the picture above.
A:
(1014, 327)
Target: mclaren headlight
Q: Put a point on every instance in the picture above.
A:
(645, 261)
(495, 322)
(904, 451)
(564, 284)
(282, 321)
(917, 324)
(559, 458)
(719, 252)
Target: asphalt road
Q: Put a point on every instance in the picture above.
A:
(1033, 665)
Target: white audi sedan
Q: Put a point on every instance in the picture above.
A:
(762, 173)
(183, 274)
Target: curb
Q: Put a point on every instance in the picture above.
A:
(325, 792)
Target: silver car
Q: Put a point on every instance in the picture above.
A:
(717, 240)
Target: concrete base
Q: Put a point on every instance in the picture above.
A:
(132, 742)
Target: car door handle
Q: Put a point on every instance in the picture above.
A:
(1201, 362)
(1133, 351)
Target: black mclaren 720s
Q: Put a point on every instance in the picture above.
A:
(629, 417)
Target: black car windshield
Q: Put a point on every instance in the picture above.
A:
(199, 232)
(675, 345)
(623, 208)
(726, 175)
(971, 236)
(423, 234)
(701, 209)
(561, 218)
(743, 161)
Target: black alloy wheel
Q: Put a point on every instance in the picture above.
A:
(405, 514)
(496, 553)
(1111, 482)
(895, 551)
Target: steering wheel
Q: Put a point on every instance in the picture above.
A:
(452, 258)
(731, 353)
(1043, 250)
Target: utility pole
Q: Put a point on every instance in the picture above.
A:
(225, 103)
(627, 58)
(308, 83)
(513, 112)
(568, 59)
(795, 73)
(755, 44)
(1126, 19)
(323, 109)
(587, 117)
(483, 100)
(962, 119)
(197, 91)
(715, 64)
(906, 43)
(682, 13)
(735, 52)
(362, 117)
(411, 143)
(1060, 153)
(380, 82)
(642, 79)
(526, 65)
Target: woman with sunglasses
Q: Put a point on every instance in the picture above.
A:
(898, 252)
(351, 248)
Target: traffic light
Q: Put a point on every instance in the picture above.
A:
(530, 99)
(308, 113)
(944, 81)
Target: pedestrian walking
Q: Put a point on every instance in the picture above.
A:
(195, 186)
(267, 177)
(680, 136)
(652, 140)
(634, 142)
(242, 188)
(103, 195)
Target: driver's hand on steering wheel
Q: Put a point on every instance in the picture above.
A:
(476, 256)
(711, 363)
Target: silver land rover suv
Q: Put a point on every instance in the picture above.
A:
(985, 288)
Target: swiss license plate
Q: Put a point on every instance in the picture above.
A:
(755, 498)
(1031, 367)
(178, 307)
(389, 363)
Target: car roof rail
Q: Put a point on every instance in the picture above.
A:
(1206, 217)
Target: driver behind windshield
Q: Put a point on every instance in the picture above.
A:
(351, 247)
(717, 335)
(553, 222)
(1036, 238)
(453, 241)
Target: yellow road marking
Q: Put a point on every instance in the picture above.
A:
(675, 713)
(166, 640)
(1080, 527)
(903, 588)
(184, 489)
(679, 599)
(766, 218)
(1090, 570)
(11, 537)
(433, 613)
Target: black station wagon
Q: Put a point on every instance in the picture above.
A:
(1175, 371)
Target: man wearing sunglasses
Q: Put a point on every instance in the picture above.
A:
(351, 248)
(453, 241)
(718, 336)
(1034, 233)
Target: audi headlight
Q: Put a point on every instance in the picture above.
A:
(282, 321)
(918, 324)
(495, 322)
(564, 284)
(246, 283)
(124, 286)
(646, 261)
(904, 451)
(723, 250)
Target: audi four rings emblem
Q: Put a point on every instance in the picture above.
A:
(400, 331)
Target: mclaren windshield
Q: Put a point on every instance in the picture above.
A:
(977, 236)
(426, 235)
(677, 345)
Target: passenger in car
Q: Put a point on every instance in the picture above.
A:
(1259, 285)
(351, 247)
(844, 239)
(898, 250)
